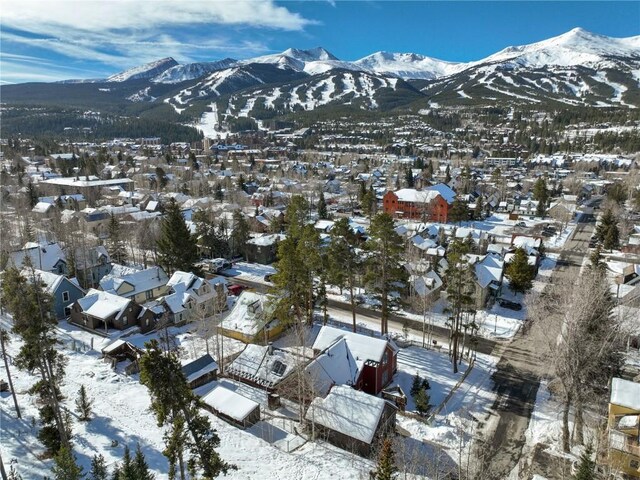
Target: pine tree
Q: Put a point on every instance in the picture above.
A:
(612, 238)
(115, 245)
(141, 466)
(459, 211)
(344, 263)
(416, 385)
(66, 467)
(447, 175)
(239, 235)
(541, 194)
(83, 404)
(519, 272)
(458, 278)
(386, 467)
(171, 396)
(422, 399)
(384, 271)
(98, 468)
(322, 207)
(587, 467)
(35, 323)
(408, 175)
(127, 471)
(479, 210)
(177, 248)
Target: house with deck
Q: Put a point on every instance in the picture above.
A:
(375, 358)
(624, 427)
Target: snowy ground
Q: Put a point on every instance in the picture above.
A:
(121, 413)
(451, 429)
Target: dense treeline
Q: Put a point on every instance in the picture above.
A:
(52, 123)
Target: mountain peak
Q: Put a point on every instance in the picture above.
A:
(310, 55)
(148, 70)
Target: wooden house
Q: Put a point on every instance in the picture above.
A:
(351, 419)
(624, 427)
(375, 358)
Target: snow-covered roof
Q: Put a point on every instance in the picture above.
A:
(335, 366)
(43, 257)
(351, 412)
(230, 403)
(415, 196)
(362, 347)
(141, 281)
(51, 280)
(199, 367)
(256, 364)
(250, 313)
(103, 305)
(445, 192)
(489, 269)
(625, 393)
(265, 240)
(42, 207)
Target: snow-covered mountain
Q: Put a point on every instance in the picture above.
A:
(408, 65)
(576, 47)
(148, 70)
(190, 71)
(575, 68)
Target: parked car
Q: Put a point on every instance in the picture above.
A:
(503, 302)
(521, 224)
(236, 289)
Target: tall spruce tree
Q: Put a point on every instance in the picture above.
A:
(66, 466)
(239, 235)
(344, 261)
(519, 272)
(177, 248)
(171, 397)
(35, 323)
(322, 208)
(83, 404)
(140, 465)
(587, 466)
(386, 467)
(541, 194)
(384, 271)
(459, 287)
(98, 468)
(115, 244)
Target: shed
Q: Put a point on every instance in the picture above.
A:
(232, 407)
(351, 419)
(200, 371)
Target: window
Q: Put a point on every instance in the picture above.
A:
(65, 296)
(125, 320)
(634, 464)
(385, 377)
(146, 322)
(148, 294)
(67, 311)
(385, 358)
(278, 368)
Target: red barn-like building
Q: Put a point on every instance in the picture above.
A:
(427, 205)
(375, 358)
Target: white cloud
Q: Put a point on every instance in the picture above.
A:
(111, 15)
(124, 33)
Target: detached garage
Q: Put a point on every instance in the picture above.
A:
(232, 407)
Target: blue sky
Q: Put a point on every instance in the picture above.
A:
(47, 40)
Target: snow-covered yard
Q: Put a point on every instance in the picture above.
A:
(121, 414)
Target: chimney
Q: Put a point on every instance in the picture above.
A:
(270, 348)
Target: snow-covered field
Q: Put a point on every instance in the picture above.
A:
(121, 414)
